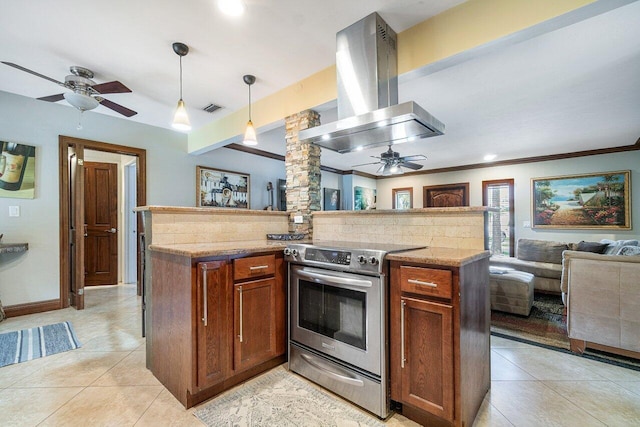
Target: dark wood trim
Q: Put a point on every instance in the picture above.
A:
(64, 142)
(32, 307)
(512, 210)
(255, 151)
(393, 196)
(523, 160)
(517, 161)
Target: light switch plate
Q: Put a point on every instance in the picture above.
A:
(298, 219)
(526, 224)
(14, 210)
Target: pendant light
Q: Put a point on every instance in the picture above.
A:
(250, 132)
(181, 119)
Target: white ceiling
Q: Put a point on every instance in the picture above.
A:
(572, 89)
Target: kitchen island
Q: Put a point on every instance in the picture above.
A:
(218, 317)
(214, 297)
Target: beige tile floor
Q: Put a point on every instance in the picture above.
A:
(106, 382)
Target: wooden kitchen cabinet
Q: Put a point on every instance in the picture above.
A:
(212, 315)
(199, 313)
(257, 310)
(439, 345)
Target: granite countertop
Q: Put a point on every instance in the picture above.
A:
(6, 248)
(441, 256)
(221, 248)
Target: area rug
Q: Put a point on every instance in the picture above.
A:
(281, 398)
(28, 344)
(546, 326)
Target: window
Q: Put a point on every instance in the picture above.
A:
(500, 225)
(402, 198)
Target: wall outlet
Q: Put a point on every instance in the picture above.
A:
(14, 210)
(526, 224)
(298, 219)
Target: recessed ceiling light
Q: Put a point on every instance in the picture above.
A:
(231, 7)
(325, 137)
(490, 157)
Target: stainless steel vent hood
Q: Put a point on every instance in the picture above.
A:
(368, 111)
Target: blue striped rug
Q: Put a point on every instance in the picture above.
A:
(27, 344)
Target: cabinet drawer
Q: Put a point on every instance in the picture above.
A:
(426, 281)
(256, 266)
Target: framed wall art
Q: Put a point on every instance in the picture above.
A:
(222, 189)
(331, 200)
(17, 170)
(595, 200)
(446, 196)
(402, 198)
(364, 198)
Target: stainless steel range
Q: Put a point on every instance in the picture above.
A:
(338, 318)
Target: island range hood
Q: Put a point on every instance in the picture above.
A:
(368, 111)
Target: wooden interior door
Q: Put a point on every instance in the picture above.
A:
(74, 189)
(101, 222)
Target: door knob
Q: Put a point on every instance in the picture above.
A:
(111, 230)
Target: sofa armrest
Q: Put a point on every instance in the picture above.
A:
(568, 255)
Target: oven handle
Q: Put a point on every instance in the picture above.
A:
(317, 364)
(328, 277)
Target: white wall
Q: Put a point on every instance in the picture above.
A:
(522, 175)
(34, 275)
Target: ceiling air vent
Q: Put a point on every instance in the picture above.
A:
(211, 108)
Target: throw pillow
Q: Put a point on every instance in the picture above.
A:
(615, 245)
(595, 247)
(629, 250)
(541, 250)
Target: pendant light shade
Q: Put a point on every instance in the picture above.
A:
(180, 118)
(250, 132)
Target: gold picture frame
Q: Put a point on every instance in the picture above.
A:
(587, 201)
(222, 188)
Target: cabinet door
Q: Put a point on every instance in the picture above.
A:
(427, 374)
(254, 322)
(213, 311)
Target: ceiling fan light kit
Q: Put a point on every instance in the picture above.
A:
(86, 94)
(250, 132)
(181, 118)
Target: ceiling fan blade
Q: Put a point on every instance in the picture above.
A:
(26, 70)
(365, 164)
(413, 158)
(410, 165)
(52, 98)
(116, 107)
(110, 87)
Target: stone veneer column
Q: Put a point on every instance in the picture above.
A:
(302, 163)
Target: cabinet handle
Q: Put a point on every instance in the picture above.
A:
(402, 359)
(240, 291)
(420, 282)
(258, 267)
(204, 294)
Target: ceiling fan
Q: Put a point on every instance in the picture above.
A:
(86, 93)
(392, 163)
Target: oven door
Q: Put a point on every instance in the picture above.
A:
(339, 314)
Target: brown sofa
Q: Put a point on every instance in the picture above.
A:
(603, 301)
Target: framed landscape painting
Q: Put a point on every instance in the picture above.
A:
(221, 188)
(597, 200)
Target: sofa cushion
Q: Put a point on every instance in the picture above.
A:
(541, 251)
(595, 247)
(538, 269)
